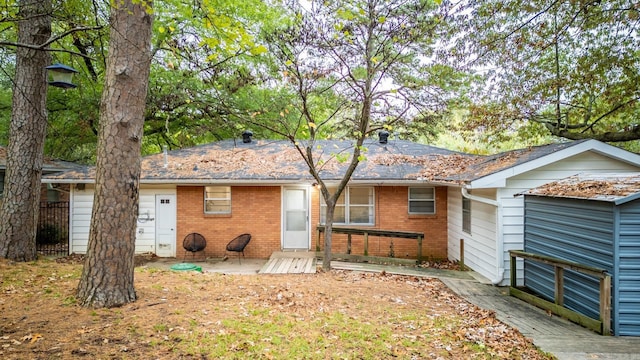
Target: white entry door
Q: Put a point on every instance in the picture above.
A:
(295, 218)
(166, 225)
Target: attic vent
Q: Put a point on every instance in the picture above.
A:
(383, 136)
(246, 136)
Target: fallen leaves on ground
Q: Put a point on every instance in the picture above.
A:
(185, 315)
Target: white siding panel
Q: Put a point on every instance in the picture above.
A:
(146, 228)
(480, 245)
(512, 220)
(454, 223)
(80, 219)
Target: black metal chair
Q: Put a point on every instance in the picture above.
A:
(193, 243)
(237, 245)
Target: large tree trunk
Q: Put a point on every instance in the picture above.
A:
(21, 200)
(107, 277)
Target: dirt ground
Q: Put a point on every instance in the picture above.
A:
(189, 315)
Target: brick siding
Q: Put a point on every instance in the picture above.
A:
(254, 210)
(392, 213)
(257, 210)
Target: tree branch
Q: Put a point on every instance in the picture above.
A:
(52, 39)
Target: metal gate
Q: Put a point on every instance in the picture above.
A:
(53, 229)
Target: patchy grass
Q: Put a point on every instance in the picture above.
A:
(184, 315)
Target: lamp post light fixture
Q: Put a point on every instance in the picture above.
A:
(62, 76)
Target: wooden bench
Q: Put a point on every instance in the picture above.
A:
(419, 236)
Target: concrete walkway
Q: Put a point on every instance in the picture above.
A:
(552, 334)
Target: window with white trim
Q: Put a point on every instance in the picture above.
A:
(466, 215)
(217, 199)
(354, 207)
(422, 200)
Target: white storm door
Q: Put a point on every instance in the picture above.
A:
(166, 225)
(295, 219)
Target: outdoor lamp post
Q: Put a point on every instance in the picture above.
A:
(62, 76)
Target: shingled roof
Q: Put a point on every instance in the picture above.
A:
(492, 164)
(278, 161)
(617, 188)
(48, 164)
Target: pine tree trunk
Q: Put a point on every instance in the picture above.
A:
(107, 277)
(21, 199)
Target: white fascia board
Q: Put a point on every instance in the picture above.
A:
(257, 182)
(616, 153)
(372, 182)
(499, 179)
(225, 182)
(67, 181)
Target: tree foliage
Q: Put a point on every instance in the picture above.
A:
(571, 66)
(348, 69)
(203, 52)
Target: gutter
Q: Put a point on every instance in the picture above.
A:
(499, 244)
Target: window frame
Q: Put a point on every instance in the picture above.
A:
(227, 198)
(466, 215)
(410, 200)
(346, 205)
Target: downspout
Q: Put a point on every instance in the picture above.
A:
(499, 243)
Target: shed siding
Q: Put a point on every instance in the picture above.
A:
(574, 230)
(82, 206)
(628, 280)
(512, 224)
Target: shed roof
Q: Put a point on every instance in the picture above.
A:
(617, 188)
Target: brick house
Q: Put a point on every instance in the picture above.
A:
(230, 187)
(227, 188)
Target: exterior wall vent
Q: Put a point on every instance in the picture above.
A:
(383, 136)
(246, 136)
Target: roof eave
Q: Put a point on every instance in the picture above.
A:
(371, 182)
(499, 179)
(627, 199)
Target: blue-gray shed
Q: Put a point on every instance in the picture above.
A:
(591, 219)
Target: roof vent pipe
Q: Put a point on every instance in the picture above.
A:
(246, 136)
(166, 160)
(383, 136)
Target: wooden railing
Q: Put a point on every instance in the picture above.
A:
(419, 236)
(601, 325)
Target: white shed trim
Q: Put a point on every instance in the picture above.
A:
(498, 179)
